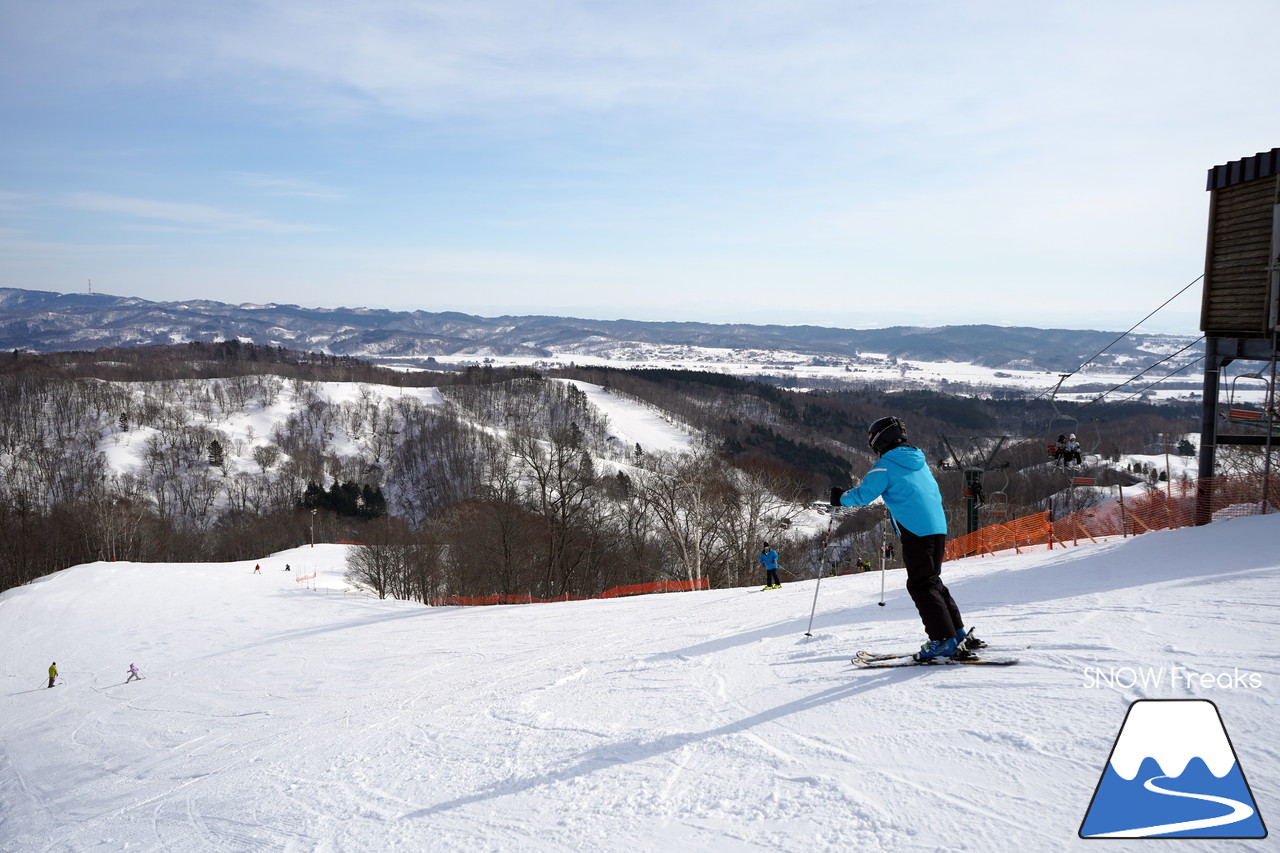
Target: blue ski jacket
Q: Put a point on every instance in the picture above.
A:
(769, 559)
(903, 480)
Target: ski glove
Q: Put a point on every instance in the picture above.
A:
(836, 493)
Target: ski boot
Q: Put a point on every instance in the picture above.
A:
(936, 649)
(966, 641)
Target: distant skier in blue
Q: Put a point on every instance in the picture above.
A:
(769, 559)
(902, 479)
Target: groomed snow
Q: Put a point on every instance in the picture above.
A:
(276, 717)
(632, 422)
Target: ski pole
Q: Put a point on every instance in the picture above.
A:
(822, 559)
(883, 534)
(814, 609)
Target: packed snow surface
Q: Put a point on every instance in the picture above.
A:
(276, 716)
(634, 423)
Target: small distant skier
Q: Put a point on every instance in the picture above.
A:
(53, 672)
(286, 567)
(901, 478)
(257, 569)
(769, 559)
(133, 673)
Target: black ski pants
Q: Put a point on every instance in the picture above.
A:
(923, 557)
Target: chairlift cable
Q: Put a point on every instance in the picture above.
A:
(1163, 378)
(1122, 337)
(1144, 370)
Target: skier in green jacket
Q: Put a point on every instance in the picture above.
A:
(53, 672)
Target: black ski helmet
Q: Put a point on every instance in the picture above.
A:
(885, 434)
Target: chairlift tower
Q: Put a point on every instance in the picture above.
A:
(1240, 307)
(975, 459)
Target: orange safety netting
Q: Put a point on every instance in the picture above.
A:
(1173, 505)
(1017, 534)
(616, 592)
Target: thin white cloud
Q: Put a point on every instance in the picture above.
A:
(196, 216)
(276, 185)
(19, 243)
(933, 64)
(12, 202)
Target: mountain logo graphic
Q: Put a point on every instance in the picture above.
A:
(1172, 774)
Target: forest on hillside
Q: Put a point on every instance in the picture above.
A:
(510, 482)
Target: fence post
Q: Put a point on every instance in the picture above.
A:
(1049, 517)
(1124, 524)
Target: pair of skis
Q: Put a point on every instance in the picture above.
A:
(873, 660)
(966, 657)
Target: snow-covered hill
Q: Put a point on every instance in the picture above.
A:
(279, 717)
(250, 425)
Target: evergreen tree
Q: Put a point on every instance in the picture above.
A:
(373, 504)
(314, 497)
(344, 499)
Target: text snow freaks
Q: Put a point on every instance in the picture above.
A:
(1174, 676)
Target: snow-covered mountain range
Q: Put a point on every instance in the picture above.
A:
(44, 321)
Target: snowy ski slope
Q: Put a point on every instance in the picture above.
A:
(277, 717)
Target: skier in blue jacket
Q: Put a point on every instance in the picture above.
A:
(901, 478)
(769, 560)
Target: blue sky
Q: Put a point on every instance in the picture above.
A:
(845, 163)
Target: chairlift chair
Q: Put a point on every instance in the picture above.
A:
(1067, 424)
(1092, 450)
(1061, 423)
(1237, 414)
(998, 501)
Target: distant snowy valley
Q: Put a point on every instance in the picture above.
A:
(292, 710)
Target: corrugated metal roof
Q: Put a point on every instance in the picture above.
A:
(1248, 169)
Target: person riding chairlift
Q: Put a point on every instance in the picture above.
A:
(1073, 451)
